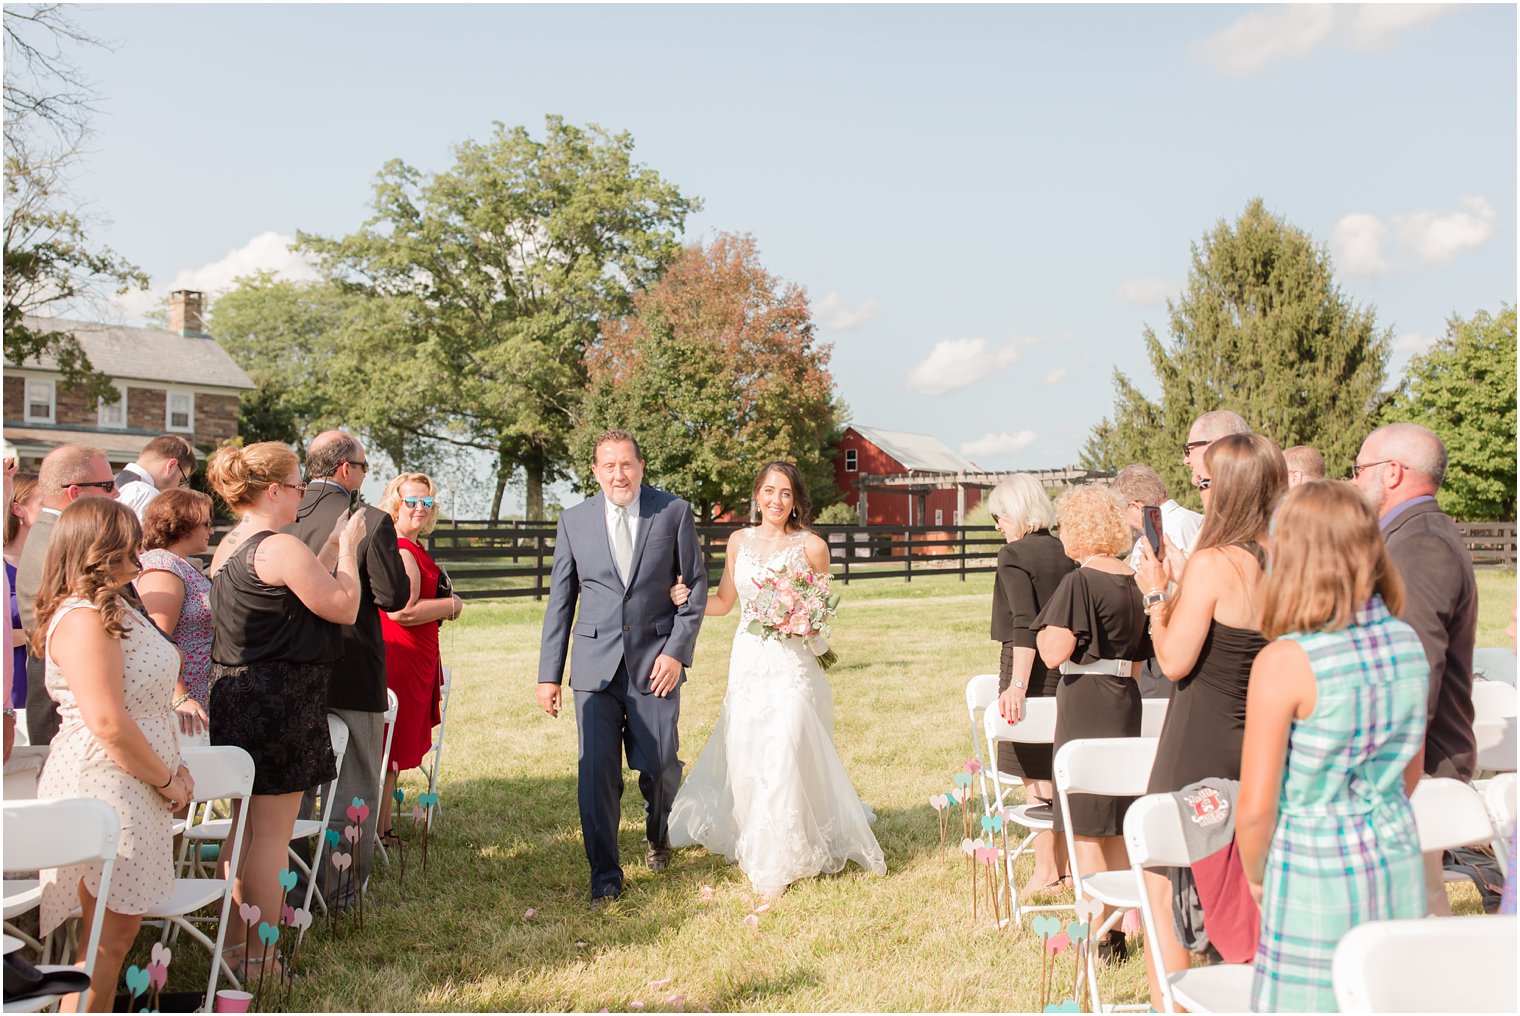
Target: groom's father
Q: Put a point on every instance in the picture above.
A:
(618, 554)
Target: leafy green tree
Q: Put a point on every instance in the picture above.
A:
(838, 514)
(490, 279)
(1463, 388)
(1263, 329)
(717, 371)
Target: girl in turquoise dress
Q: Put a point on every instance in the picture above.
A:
(1334, 743)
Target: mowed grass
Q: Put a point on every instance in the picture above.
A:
(459, 938)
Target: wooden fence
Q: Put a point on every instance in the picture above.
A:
(1492, 544)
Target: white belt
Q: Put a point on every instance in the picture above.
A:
(1113, 668)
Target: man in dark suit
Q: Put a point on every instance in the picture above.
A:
(1399, 469)
(335, 468)
(617, 555)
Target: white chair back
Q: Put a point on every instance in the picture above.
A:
(1499, 799)
(22, 770)
(392, 705)
(981, 696)
(1449, 813)
(1494, 700)
(1113, 766)
(1153, 716)
(1495, 663)
(1432, 964)
(63, 831)
(1037, 727)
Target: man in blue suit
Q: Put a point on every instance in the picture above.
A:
(618, 554)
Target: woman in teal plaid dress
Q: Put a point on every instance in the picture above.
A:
(1334, 743)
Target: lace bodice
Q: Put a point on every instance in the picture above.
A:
(757, 556)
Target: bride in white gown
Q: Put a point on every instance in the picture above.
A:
(769, 790)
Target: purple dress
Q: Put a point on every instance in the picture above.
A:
(18, 651)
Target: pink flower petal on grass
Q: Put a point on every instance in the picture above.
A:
(580, 945)
(753, 921)
(530, 912)
(657, 985)
(762, 908)
(636, 1004)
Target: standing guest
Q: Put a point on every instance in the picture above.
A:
(412, 661)
(335, 468)
(13, 630)
(1207, 637)
(1304, 464)
(1329, 842)
(177, 524)
(1399, 469)
(22, 504)
(1207, 429)
(112, 677)
(68, 473)
(1029, 569)
(275, 608)
(1093, 629)
(164, 463)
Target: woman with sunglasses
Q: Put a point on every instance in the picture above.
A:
(412, 663)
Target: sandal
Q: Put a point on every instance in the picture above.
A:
(1031, 892)
(266, 968)
(390, 839)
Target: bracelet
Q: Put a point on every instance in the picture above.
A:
(180, 701)
(170, 780)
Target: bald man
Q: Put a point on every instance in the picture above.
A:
(1207, 429)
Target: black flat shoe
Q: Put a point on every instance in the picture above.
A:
(23, 979)
(657, 858)
(1114, 948)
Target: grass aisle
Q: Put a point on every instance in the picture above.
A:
(509, 841)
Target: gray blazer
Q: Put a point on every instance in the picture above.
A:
(1441, 605)
(617, 623)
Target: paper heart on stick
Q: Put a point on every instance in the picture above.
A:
(301, 919)
(1077, 931)
(400, 796)
(968, 847)
(963, 780)
(342, 861)
(249, 913)
(138, 980)
(1045, 926)
(950, 798)
(973, 766)
(937, 802)
(1070, 1005)
(1088, 909)
(158, 974)
(1058, 944)
(351, 833)
(427, 798)
(419, 813)
(357, 813)
(288, 915)
(987, 855)
(268, 933)
(287, 879)
(160, 953)
(331, 836)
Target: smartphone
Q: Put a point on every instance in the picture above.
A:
(1153, 530)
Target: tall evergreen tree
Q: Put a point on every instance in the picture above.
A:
(1263, 329)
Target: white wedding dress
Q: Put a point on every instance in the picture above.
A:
(769, 790)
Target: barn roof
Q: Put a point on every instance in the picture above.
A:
(917, 452)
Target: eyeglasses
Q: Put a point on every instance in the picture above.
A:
(1357, 467)
(184, 475)
(358, 464)
(294, 486)
(412, 502)
(1187, 449)
(97, 484)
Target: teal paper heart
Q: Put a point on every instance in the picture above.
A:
(137, 980)
(1070, 1005)
(287, 879)
(1046, 926)
(1076, 931)
(427, 799)
(332, 838)
(268, 933)
(986, 823)
(357, 802)
(400, 796)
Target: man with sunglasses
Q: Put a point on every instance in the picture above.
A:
(164, 463)
(68, 473)
(1207, 429)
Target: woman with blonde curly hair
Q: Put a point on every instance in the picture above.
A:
(1094, 629)
(112, 676)
(413, 667)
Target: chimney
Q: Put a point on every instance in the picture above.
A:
(185, 313)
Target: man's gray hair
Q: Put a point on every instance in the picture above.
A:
(1219, 423)
(1414, 447)
(328, 452)
(1140, 483)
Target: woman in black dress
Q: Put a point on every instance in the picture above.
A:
(1094, 630)
(275, 609)
(1207, 635)
(1029, 569)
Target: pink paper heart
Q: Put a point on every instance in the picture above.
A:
(937, 802)
(419, 813)
(351, 833)
(353, 814)
(968, 846)
(1131, 922)
(157, 974)
(301, 918)
(973, 766)
(1058, 944)
(363, 810)
(342, 861)
(249, 913)
(160, 953)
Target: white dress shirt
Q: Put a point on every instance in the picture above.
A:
(633, 522)
(136, 494)
(1179, 525)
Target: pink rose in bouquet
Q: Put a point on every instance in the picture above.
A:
(796, 604)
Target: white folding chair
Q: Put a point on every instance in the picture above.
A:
(1499, 799)
(1112, 767)
(22, 770)
(219, 772)
(1153, 837)
(1449, 813)
(1495, 726)
(52, 834)
(1037, 727)
(1430, 964)
(1495, 664)
(431, 768)
(392, 704)
(981, 695)
(1153, 716)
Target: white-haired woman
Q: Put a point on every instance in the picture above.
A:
(1029, 569)
(413, 668)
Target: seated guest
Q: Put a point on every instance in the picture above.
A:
(177, 524)
(1029, 569)
(1304, 464)
(1329, 842)
(164, 463)
(274, 606)
(21, 507)
(112, 676)
(1207, 636)
(1094, 629)
(412, 663)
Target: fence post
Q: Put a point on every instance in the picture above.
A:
(849, 552)
(538, 565)
(907, 555)
(963, 553)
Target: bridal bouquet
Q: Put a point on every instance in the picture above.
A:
(796, 604)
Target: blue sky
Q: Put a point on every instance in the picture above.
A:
(986, 204)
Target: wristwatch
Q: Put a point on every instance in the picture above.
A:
(1154, 597)
(1015, 683)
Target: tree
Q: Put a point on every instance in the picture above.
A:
(1262, 329)
(717, 371)
(1463, 388)
(490, 279)
(50, 263)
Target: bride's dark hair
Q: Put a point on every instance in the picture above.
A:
(802, 505)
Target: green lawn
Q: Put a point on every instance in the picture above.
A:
(509, 840)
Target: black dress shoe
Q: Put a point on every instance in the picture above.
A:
(23, 980)
(658, 858)
(600, 903)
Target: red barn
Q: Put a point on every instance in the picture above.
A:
(868, 455)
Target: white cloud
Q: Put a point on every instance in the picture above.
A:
(1055, 377)
(1438, 237)
(269, 251)
(1147, 292)
(1358, 243)
(834, 314)
(1256, 40)
(958, 363)
(1412, 342)
(995, 446)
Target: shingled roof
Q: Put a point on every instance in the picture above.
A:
(145, 354)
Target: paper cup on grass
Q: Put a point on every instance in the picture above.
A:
(228, 1000)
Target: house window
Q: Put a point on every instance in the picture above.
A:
(114, 414)
(851, 460)
(939, 516)
(39, 400)
(179, 411)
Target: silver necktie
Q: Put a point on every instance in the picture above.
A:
(622, 545)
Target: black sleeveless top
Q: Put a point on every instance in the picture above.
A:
(253, 621)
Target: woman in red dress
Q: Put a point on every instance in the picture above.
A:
(412, 666)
